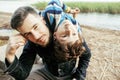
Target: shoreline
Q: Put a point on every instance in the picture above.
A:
(110, 31)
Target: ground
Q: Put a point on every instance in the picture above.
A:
(105, 48)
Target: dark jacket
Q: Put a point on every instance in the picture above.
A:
(21, 68)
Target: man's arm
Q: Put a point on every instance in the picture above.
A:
(19, 69)
(14, 43)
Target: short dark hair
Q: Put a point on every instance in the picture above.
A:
(19, 16)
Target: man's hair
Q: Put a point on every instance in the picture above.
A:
(67, 52)
(19, 16)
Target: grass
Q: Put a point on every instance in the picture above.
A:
(40, 5)
(85, 7)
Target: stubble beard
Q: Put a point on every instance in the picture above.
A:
(49, 40)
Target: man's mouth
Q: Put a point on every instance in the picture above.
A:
(41, 39)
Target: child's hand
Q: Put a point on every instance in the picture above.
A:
(75, 11)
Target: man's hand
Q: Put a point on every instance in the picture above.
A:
(14, 43)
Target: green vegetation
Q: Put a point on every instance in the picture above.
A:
(101, 7)
(40, 5)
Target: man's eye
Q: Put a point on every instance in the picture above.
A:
(27, 34)
(35, 27)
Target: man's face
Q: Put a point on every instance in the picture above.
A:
(35, 30)
(66, 33)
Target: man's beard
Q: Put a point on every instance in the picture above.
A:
(50, 40)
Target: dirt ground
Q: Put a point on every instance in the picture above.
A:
(105, 48)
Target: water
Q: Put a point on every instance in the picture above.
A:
(109, 21)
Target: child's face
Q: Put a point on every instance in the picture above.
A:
(66, 33)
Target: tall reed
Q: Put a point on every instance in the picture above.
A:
(85, 7)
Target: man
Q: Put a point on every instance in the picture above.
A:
(38, 33)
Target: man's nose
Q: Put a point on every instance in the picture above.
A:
(35, 34)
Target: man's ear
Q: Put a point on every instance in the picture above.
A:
(42, 19)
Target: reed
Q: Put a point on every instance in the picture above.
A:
(85, 7)
(40, 5)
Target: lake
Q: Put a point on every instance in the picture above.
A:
(100, 20)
